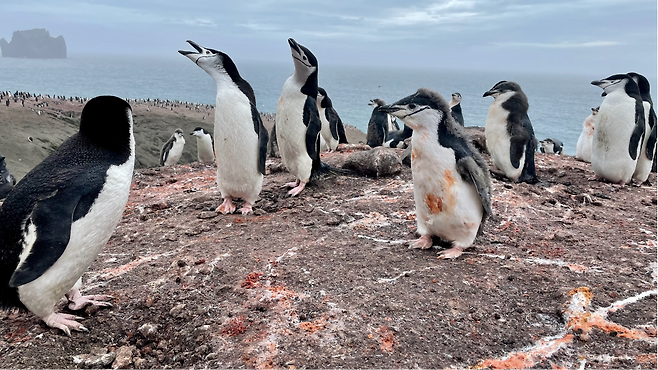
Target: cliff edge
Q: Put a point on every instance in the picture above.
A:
(36, 43)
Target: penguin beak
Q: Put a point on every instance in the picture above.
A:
(293, 45)
(490, 93)
(389, 108)
(193, 55)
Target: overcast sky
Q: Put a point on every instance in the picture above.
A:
(598, 37)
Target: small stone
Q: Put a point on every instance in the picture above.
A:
(178, 310)
(377, 162)
(307, 223)
(140, 363)
(206, 215)
(123, 357)
(334, 221)
(148, 330)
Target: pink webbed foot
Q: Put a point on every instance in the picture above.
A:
(227, 206)
(291, 184)
(297, 190)
(451, 253)
(78, 301)
(65, 322)
(424, 242)
(246, 209)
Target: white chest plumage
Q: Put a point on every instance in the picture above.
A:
(584, 145)
(446, 206)
(205, 148)
(612, 133)
(236, 145)
(88, 236)
(498, 140)
(175, 152)
(291, 131)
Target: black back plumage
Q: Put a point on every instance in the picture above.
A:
(59, 191)
(456, 113)
(377, 126)
(164, 151)
(329, 113)
(645, 93)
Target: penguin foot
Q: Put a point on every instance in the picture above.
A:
(424, 242)
(453, 252)
(77, 301)
(65, 322)
(298, 189)
(291, 184)
(227, 206)
(247, 208)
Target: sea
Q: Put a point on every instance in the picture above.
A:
(559, 103)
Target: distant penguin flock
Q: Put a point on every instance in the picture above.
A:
(55, 221)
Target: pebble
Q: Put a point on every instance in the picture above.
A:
(124, 357)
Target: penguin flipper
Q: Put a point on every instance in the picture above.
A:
(638, 130)
(313, 127)
(52, 218)
(651, 144)
(164, 152)
(469, 169)
(263, 138)
(342, 138)
(333, 122)
(528, 173)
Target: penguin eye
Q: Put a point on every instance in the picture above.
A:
(304, 57)
(207, 52)
(412, 106)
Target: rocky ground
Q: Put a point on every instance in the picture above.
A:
(564, 277)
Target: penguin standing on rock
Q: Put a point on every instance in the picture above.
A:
(172, 150)
(330, 120)
(584, 145)
(205, 145)
(619, 129)
(509, 133)
(298, 122)
(240, 137)
(59, 216)
(456, 108)
(645, 161)
(452, 188)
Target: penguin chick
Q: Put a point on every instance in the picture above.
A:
(619, 129)
(456, 108)
(551, 146)
(584, 144)
(509, 133)
(59, 216)
(452, 188)
(205, 145)
(172, 150)
(240, 137)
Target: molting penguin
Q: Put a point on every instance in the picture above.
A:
(240, 137)
(7, 180)
(456, 108)
(509, 134)
(59, 216)
(172, 150)
(452, 188)
(584, 145)
(645, 161)
(205, 145)
(619, 129)
(331, 122)
(551, 146)
(379, 125)
(298, 122)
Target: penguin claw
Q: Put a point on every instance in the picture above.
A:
(451, 253)
(424, 242)
(64, 322)
(80, 302)
(227, 207)
(295, 191)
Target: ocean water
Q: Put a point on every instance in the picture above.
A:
(558, 103)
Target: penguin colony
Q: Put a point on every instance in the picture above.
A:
(55, 221)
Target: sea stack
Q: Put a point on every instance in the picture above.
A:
(36, 43)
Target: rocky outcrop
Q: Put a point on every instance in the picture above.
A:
(36, 43)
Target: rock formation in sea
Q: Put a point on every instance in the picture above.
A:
(36, 43)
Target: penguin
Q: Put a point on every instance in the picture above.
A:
(240, 137)
(272, 145)
(205, 145)
(509, 134)
(331, 122)
(172, 150)
(619, 129)
(298, 122)
(584, 144)
(396, 139)
(7, 180)
(59, 216)
(645, 160)
(456, 108)
(452, 188)
(551, 146)
(378, 126)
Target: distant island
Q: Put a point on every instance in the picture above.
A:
(36, 43)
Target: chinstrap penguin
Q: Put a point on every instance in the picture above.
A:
(172, 150)
(379, 125)
(298, 122)
(7, 180)
(456, 108)
(619, 129)
(645, 160)
(584, 144)
(452, 188)
(551, 146)
(205, 145)
(509, 133)
(59, 216)
(240, 137)
(396, 139)
(331, 122)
